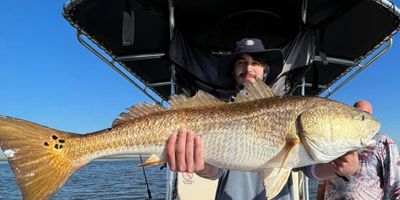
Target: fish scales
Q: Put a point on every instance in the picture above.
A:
(254, 128)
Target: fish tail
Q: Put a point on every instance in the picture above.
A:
(37, 156)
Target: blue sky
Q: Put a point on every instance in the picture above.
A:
(48, 77)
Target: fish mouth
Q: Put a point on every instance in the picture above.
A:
(369, 141)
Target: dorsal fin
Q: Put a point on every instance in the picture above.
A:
(200, 99)
(137, 111)
(253, 91)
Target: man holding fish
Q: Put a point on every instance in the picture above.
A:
(249, 61)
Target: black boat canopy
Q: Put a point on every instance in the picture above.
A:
(165, 42)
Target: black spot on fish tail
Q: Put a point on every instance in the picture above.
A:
(54, 137)
(61, 146)
(46, 144)
(61, 141)
(56, 146)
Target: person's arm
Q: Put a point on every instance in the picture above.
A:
(185, 154)
(390, 159)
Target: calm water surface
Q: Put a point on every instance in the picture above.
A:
(103, 180)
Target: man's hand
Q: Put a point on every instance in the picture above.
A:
(185, 152)
(346, 165)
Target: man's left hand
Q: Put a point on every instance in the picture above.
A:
(346, 165)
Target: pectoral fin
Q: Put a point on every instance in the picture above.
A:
(281, 158)
(274, 180)
(291, 143)
(151, 161)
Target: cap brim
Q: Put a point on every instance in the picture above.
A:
(274, 59)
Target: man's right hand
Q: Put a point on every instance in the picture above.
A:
(185, 154)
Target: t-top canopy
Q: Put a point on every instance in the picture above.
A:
(137, 34)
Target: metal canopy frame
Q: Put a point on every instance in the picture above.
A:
(351, 64)
(118, 63)
(360, 67)
(123, 74)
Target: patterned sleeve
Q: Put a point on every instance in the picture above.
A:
(389, 154)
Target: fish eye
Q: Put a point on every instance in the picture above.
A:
(360, 117)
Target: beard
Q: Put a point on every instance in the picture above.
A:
(247, 77)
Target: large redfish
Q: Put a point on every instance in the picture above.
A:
(256, 132)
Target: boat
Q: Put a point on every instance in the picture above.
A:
(172, 46)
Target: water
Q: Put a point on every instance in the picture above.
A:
(103, 180)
